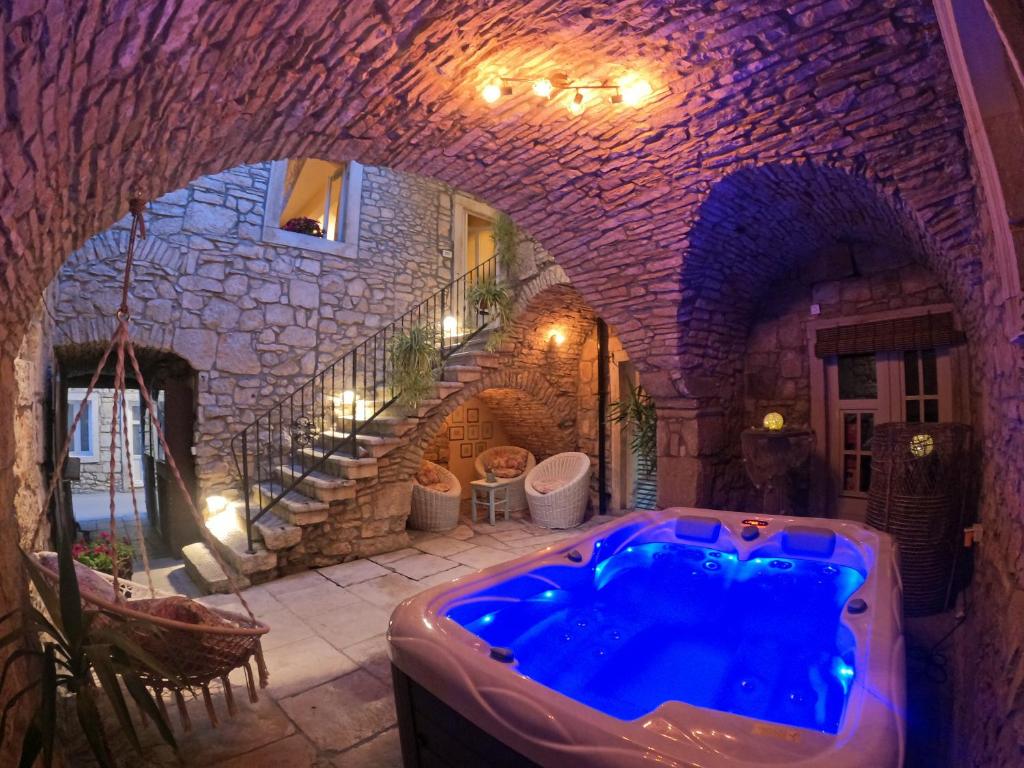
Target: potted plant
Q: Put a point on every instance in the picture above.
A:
(636, 410)
(491, 296)
(101, 555)
(414, 360)
(78, 654)
(506, 242)
(304, 226)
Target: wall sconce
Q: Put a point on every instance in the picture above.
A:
(630, 90)
(556, 338)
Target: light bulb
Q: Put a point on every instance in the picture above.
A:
(491, 92)
(557, 338)
(347, 397)
(576, 105)
(543, 87)
(450, 324)
(635, 92)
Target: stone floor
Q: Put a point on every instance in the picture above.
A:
(330, 701)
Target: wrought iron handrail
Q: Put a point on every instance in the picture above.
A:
(299, 432)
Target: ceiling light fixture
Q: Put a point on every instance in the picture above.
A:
(630, 90)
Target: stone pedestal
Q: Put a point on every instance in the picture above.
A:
(769, 456)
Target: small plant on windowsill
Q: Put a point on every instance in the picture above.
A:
(414, 360)
(493, 298)
(304, 226)
(100, 555)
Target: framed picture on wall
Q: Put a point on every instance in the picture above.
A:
(472, 415)
(479, 448)
(456, 433)
(466, 450)
(487, 430)
(457, 416)
(473, 432)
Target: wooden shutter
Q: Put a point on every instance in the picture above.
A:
(906, 333)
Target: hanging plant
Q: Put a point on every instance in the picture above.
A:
(506, 242)
(493, 298)
(636, 411)
(415, 360)
(80, 654)
(304, 226)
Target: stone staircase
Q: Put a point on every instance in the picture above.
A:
(335, 496)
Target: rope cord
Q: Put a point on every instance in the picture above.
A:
(121, 342)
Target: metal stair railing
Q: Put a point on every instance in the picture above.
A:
(329, 411)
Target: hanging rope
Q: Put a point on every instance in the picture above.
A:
(123, 349)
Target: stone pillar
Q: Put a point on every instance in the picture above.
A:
(689, 439)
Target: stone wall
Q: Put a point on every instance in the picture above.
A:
(848, 281)
(255, 318)
(104, 97)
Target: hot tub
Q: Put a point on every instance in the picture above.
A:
(684, 637)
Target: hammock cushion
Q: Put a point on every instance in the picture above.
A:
(183, 609)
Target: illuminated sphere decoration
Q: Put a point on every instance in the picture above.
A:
(774, 421)
(922, 445)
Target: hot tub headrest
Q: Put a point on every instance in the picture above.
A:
(698, 528)
(807, 540)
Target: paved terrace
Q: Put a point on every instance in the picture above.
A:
(329, 703)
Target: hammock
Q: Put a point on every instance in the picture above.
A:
(198, 643)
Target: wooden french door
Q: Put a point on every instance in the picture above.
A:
(868, 389)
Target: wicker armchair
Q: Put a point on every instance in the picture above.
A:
(564, 506)
(434, 510)
(516, 485)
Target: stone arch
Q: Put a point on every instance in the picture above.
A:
(761, 224)
(536, 389)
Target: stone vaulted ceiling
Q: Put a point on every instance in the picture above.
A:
(100, 98)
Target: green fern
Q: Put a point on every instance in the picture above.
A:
(495, 299)
(415, 360)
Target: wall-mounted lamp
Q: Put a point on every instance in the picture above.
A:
(556, 338)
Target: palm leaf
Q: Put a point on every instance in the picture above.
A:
(145, 702)
(9, 707)
(47, 706)
(31, 745)
(135, 654)
(92, 726)
(70, 597)
(99, 656)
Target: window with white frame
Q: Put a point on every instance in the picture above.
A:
(314, 204)
(85, 441)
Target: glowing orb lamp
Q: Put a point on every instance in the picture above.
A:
(922, 445)
(774, 421)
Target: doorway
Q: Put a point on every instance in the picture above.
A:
(140, 466)
(866, 389)
(472, 234)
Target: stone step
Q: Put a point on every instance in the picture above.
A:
(339, 442)
(204, 571)
(297, 508)
(448, 388)
(476, 357)
(463, 373)
(344, 466)
(388, 425)
(276, 533)
(319, 485)
(422, 410)
(378, 445)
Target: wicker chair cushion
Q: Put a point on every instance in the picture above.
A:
(507, 473)
(548, 486)
(508, 460)
(439, 487)
(88, 580)
(428, 476)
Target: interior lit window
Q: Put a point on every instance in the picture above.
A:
(314, 198)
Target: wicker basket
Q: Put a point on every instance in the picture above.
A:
(917, 495)
(565, 507)
(436, 510)
(516, 485)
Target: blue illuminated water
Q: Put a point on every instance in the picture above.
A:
(663, 621)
